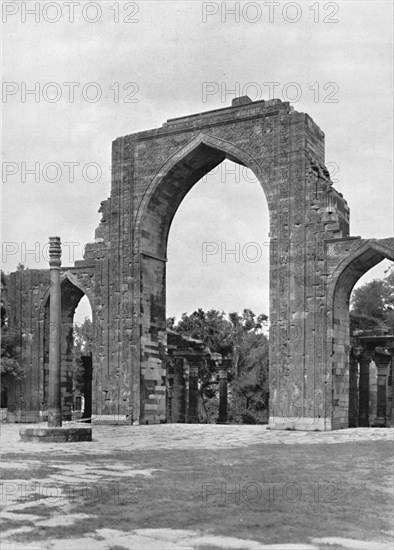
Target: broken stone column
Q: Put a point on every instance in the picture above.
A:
(54, 393)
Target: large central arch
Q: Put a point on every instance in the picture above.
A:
(155, 215)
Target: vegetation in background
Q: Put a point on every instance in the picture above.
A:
(83, 345)
(372, 306)
(11, 368)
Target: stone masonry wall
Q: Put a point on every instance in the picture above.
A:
(313, 267)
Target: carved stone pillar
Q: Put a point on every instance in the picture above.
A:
(363, 404)
(382, 360)
(54, 394)
(390, 420)
(353, 391)
(223, 370)
(178, 403)
(373, 393)
(87, 386)
(193, 391)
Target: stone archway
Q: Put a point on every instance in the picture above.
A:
(71, 294)
(364, 256)
(157, 210)
(153, 171)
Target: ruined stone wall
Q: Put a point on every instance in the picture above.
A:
(313, 266)
(26, 291)
(28, 312)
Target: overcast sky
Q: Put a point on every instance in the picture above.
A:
(148, 61)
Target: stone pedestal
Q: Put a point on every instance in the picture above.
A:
(55, 435)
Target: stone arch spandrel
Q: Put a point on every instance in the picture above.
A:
(360, 260)
(220, 149)
(76, 281)
(80, 283)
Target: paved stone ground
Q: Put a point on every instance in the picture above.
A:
(110, 439)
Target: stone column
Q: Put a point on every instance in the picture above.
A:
(353, 391)
(54, 394)
(87, 386)
(363, 403)
(382, 361)
(193, 361)
(373, 393)
(193, 393)
(223, 369)
(391, 419)
(178, 404)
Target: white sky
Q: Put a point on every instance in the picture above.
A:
(169, 54)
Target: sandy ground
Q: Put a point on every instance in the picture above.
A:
(34, 501)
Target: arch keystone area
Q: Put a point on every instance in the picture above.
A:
(313, 264)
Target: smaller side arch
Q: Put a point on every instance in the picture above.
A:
(72, 290)
(345, 276)
(75, 280)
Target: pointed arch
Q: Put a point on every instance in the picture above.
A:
(174, 180)
(361, 260)
(73, 279)
(370, 253)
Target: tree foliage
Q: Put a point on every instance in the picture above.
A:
(372, 305)
(83, 345)
(11, 368)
